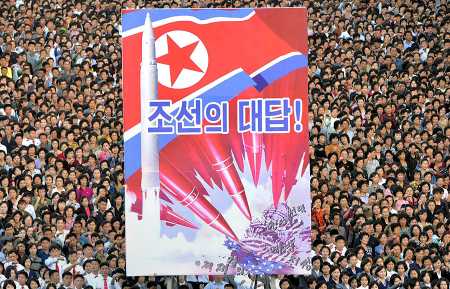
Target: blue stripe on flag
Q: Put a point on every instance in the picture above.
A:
(132, 155)
(279, 70)
(136, 18)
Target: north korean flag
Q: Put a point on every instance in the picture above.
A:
(200, 49)
(199, 55)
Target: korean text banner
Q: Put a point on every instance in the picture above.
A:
(216, 141)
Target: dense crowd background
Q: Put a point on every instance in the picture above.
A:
(380, 138)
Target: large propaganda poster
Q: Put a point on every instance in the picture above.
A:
(216, 141)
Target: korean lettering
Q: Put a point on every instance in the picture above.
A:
(276, 117)
(216, 114)
(160, 118)
(188, 117)
(250, 115)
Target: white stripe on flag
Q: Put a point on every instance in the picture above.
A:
(273, 62)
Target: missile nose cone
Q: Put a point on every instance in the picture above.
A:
(222, 226)
(148, 41)
(240, 199)
(238, 150)
(253, 147)
(173, 218)
(148, 25)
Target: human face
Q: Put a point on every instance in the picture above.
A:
(85, 202)
(60, 225)
(364, 281)
(67, 280)
(437, 265)
(121, 263)
(3, 208)
(34, 285)
(367, 267)
(443, 285)
(284, 285)
(55, 278)
(22, 279)
(336, 274)
(345, 279)
(382, 274)
(316, 264)
(55, 253)
(79, 282)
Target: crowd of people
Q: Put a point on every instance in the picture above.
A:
(379, 155)
(379, 144)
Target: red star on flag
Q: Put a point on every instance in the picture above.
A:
(178, 58)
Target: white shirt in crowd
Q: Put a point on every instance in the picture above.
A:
(2, 279)
(99, 282)
(197, 278)
(203, 278)
(24, 286)
(30, 210)
(245, 282)
(55, 263)
(215, 285)
(191, 278)
(27, 142)
(61, 236)
(90, 279)
(18, 266)
(77, 269)
(3, 148)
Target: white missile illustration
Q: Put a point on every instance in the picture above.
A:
(149, 142)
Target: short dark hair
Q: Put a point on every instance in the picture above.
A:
(104, 264)
(22, 272)
(55, 247)
(285, 280)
